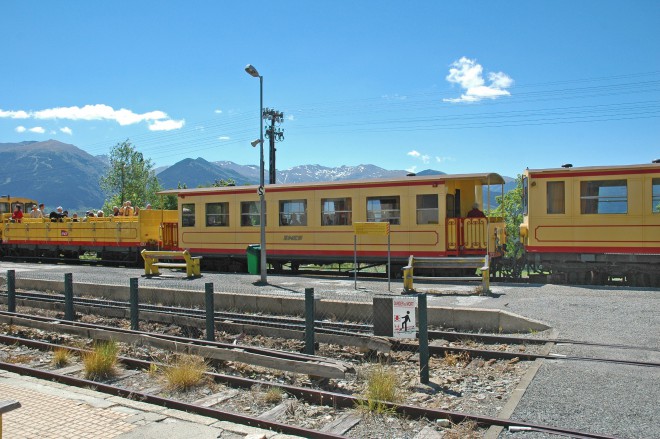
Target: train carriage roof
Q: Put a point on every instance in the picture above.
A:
(480, 178)
(570, 171)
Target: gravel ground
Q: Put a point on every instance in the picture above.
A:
(611, 399)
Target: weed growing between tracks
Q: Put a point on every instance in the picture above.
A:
(101, 363)
(61, 357)
(184, 372)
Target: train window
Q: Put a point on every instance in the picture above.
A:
(250, 213)
(336, 212)
(217, 214)
(187, 215)
(604, 196)
(655, 200)
(556, 197)
(293, 213)
(384, 209)
(427, 209)
(525, 194)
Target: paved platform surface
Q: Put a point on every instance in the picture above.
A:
(616, 400)
(55, 411)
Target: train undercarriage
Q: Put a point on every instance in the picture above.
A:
(594, 269)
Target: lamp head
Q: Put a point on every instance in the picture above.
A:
(254, 143)
(251, 70)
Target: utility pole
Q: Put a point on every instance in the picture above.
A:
(273, 134)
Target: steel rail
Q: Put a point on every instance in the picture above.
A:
(462, 336)
(292, 322)
(282, 355)
(316, 396)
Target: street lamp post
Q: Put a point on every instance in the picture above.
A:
(262, 209)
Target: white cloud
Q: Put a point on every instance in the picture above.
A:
(414, 153)
(157, 120)
(166, 125)
(218, 111)
(290, 117)
(14, 114)
(66, 130)
(224, 138)
(443, 159)
(469, 75)
(412, 169)
(20, 129)
(39, 130)
(99, 112)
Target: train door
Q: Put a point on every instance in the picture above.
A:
(453, 202)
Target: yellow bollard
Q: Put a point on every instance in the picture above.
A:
(408, 278)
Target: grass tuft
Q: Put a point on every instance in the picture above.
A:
(185, 372)
(383, 385)
(61, 357)
(101, 362)
(274, 395)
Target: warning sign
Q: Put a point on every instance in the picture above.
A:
(404, 321)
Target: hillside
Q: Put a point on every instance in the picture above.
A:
(55, 173)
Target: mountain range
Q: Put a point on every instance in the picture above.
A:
(57, 173)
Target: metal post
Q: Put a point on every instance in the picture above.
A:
(68, 297)
(11, 290)
(309, 321)
(355, 260)
(134, 301)
(389, 265)
(262, 201)
(210, 311)
(423, 339)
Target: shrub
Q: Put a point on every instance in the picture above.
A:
(184, 372)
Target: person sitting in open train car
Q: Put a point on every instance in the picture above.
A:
(58, 215)
(36, 213)
(100, 214)
(475, 212)
(17, 216)
(115, 211)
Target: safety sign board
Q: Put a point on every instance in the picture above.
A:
(403, 318)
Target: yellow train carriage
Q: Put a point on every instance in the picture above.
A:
(8, 205)
(117, 239)
(314, 222)
(591, 224)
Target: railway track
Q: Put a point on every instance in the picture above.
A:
(340, 408)
(355, 329)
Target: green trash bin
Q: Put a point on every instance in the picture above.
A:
(254, 258)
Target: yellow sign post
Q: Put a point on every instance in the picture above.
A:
(379, 229)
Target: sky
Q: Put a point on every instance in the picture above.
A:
(459, 87)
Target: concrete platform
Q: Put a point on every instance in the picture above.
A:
(56, 411)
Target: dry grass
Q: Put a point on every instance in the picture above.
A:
(101, 362)
(383, 385)
(453, 360)
(185, 372)
(274, 395)
(61, 357)
(21, 359)
(464, 430)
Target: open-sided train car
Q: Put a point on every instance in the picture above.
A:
(111, 239)
(313, 223)
(593, 224)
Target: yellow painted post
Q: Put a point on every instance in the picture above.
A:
(485, 276)
(408, 278)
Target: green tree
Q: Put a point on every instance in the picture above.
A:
(511, 208)
(222, 182)
(130, 177)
